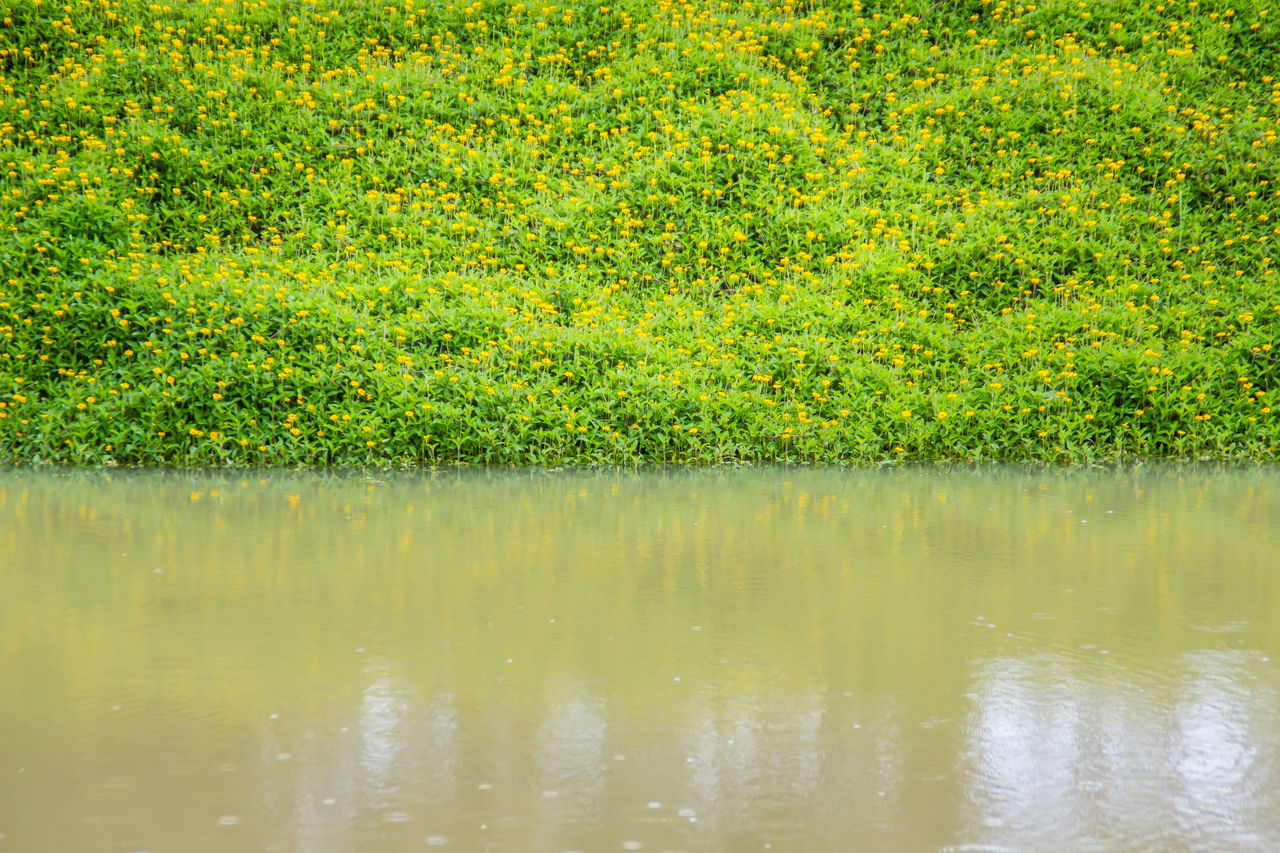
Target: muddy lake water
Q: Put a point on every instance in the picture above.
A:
(786, 659)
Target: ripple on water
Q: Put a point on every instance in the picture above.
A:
(1231, 627)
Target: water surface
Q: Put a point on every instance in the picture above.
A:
(782, 659)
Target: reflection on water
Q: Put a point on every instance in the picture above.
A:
(747, 660)
(1140, 759)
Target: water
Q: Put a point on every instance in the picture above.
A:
(773, 659)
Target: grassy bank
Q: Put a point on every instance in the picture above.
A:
(338, 232)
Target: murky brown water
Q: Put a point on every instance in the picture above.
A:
(795, 660)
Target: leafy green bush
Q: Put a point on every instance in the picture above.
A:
(340, 233)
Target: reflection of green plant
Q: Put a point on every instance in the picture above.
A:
(312, 565)
(388, 235)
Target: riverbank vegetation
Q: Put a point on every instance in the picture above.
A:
(338, 232)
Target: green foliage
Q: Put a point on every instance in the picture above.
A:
(343, 233)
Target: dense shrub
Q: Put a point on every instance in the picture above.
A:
(342, 232)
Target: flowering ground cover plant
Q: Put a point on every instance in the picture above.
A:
(340, 232)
